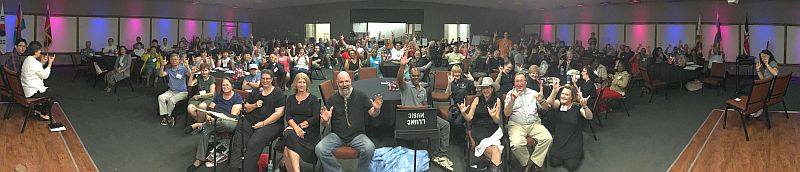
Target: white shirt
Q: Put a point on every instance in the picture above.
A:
(33, 76)
(139, 52)
(301, 62)
(397, 54)
(525, 106)
(110, 50)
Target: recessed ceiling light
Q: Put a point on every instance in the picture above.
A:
(235, 6)
(580, 5)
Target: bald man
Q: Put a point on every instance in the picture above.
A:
(346, 114)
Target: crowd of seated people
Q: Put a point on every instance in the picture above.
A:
(524, 85)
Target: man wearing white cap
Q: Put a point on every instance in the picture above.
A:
(252, 80)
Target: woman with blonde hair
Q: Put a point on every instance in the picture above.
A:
(302, 133)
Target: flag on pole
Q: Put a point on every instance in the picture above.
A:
(2, 28)
(697, 27)
(48, 35)
(20, 23)
(718, 36)
(746, 36)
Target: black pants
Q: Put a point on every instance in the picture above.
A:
(571, 164)
(45, 107)
(256, 140)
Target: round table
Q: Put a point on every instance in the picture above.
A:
(391, 99)
(237, 83)
(389, 69)
(671, 73)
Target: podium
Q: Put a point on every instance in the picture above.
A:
(741, 62)
(415, 124)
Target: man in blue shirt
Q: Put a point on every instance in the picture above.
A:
(252, 80)
(177, 74)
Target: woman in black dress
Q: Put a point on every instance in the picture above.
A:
(585, 82)
(303, 131)
(484, 115)
(567, 147)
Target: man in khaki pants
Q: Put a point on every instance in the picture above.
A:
(521, 105)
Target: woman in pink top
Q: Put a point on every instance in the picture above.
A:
(284, 59)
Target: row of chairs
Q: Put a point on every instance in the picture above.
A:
(764, 93)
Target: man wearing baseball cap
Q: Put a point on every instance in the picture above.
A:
(252, 80)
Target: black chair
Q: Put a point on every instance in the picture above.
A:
(78, 66)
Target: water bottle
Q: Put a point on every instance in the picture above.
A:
(269, 167)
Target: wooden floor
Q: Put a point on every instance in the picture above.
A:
(38, 149)
(713, 148)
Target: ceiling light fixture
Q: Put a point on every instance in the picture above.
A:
(580, 5)
(635, 1)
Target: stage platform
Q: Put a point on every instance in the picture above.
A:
(38, 149)
(713, 148)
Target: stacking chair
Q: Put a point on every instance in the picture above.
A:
(326, 89)
(750, 104)
(5, 91)
(78, 66)
(716, 78)
(439, 85)
(129, 80)
(15, 84)
(622, 100)
(367, 73)
(779, 89)
(651, 84)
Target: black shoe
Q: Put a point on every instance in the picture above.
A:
(163, 120)
(192, 168)
(171, 121)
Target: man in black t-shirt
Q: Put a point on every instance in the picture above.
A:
(347, 117)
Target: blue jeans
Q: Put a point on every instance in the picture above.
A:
(329, 143)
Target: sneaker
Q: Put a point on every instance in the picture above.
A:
(171, 121)
(444, 162)
(209, 164)
(163, 121)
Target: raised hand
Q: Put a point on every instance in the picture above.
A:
(758, 66)
(556, 84)
(469, 77)
(325, 114)
(404, 60)
(583, 101)
(514, 94)
(492, 110)
(377, 102)
(450, 78)
(462, 107)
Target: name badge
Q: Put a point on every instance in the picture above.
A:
(619, 77)
(202, 92)
(564, 108)
(179, 76)
(153, 59)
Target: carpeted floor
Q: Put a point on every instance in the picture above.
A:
(121, 131)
